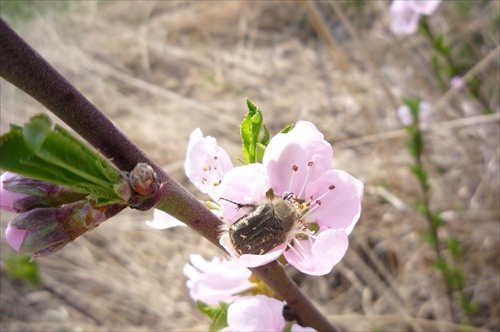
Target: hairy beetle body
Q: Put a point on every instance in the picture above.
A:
(264, 227)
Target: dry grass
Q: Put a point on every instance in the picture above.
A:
(161, 69)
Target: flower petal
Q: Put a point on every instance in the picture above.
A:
(327, 250)
(404, 18)
(206, 163)
(162, 220)
(8, 198)
(457, 82)
(303, 147)
(298, 328)
(404, 115)
(341, 207)
(255, 313)
(216, 281)
(245, 185)
(427, 7)
(15, 237)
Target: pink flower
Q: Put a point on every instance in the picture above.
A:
(15, 237)
(258, 313)
(457, 82)
(8, 198)
(424, 111)
(216, 281)
(43, 231)
(327, 200)
(20, 194)
(206, 164)
(49, 216)
(406, 14)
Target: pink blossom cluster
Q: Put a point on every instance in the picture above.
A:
(298, 162)
(424, 111)
(49, 216)
(224, 280)
(406, 14)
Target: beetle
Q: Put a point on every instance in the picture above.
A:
(265, 227)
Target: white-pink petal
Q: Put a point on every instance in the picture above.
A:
(404, 20)
(298, 328)
(457, 82)
(216, 281)
(326, 251)
(246, 184)
(424, 7)
(255, 313)
(341, 206)
(424, 112)
(206, 163)
(162, 220)
(8, 198)
(15, 237)
(304, 147)
(404, 115)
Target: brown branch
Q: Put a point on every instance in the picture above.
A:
(25, 68)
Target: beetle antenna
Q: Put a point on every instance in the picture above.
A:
(239, 205)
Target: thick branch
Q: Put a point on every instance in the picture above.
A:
(25, 68)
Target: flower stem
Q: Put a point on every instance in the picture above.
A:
(22, 66)
(416, 135)
(445, 52)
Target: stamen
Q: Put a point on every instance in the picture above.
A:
(318, 201)
(292, 248)
(213, 173)
(298, 248)
(295, 168)
(306, 180)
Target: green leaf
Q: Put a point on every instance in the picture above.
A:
(438, 42)
(218, 314)
(441, 264)
(253, 147)
(266, 137)
(259, 151)
(428, 236)
(36, 131)
(56, 156)
(23, 268)
(286, 129)
(470, 307)
(454, 247)
(437, 221)
(455, 278)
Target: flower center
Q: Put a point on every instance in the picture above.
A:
(213, 174)
(302, 232)
(315, 203)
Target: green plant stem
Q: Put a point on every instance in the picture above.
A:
(432, 227)
(22, 66)
(474, 89)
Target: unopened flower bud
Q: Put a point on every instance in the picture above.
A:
(20, 194)
(43, 231)
(143, 179)
(123, 189)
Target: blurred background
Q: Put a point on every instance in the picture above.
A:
(160, 69)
